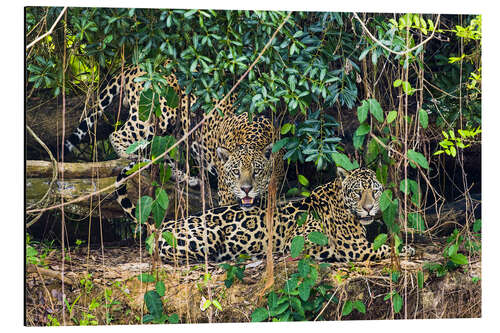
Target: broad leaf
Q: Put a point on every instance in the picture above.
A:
(376, 110)
(153, 303)
(260, 314)
(144, 206)
(423, 117)
(379, 241)
(317, 238)
(418, 158)
(297, 246)
(363, 111)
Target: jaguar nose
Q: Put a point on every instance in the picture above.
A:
(368, 207)
(246, 188)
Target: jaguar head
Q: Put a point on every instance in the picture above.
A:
(362, 192)
(246, 171)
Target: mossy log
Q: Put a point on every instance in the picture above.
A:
(42, 169)
(81, 179)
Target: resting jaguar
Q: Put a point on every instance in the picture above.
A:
(236, 150)
(343, 207)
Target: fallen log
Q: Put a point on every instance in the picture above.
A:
(84, 178)
(42, 169)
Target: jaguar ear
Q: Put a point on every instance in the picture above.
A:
(342, 173)
(223, 154)
(268, 151)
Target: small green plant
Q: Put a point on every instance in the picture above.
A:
(451, 143)
(52, 321)
(33, 256)
(87, 284)
(351, 305)
(88, 318)
(237, 270)
(79, 243)
(453, 258)
(303, 295)
(154, 303)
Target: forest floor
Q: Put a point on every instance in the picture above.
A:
(101, 287)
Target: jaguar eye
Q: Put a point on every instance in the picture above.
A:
(236, 172)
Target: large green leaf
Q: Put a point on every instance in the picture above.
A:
(343, 161)
(318, 238)
(305, 289)
(423, 117)
(154, 303)
(391, 116)
(297, 246)
(363, 111)
(160, 288)
(360, 306)
(459, 259)
(347, 309)
(169, 238)
(418, 158)
(376, 110)
(260, 314)
(144, 206)
(397, 302)
(363, 129)
(379, 241)
(145, 277)
(385, 200)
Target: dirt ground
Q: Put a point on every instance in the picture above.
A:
(101, 287)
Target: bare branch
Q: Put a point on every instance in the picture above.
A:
(50, 30)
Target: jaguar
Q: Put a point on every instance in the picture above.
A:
(339, 209)
(238, 151)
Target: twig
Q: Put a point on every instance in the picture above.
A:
(50, 273)
(390, 50)
(54, 175)
(50, 30)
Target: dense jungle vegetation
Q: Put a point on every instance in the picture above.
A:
(397, 93)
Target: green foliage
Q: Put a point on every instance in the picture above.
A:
(318, 238)
(451, 143)
(297, 246)
(154, 302)
(379, 241)
(313, 140)
(344, 162)
(351, 305)
(396, 299)
(301, 298)
(37, 257)
(453, 259)
(418, 158)
(233, 271)
(303, 294)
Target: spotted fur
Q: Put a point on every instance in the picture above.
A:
(241, 143)
(231, 231)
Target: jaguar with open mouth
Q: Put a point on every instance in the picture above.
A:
(247, 179)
